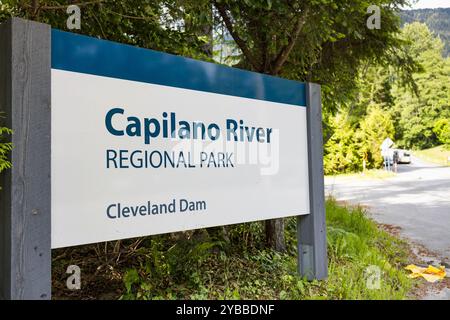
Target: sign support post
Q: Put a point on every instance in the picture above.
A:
(25, 197)
(311, 228)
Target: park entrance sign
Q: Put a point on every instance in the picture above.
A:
(145, 142)
(113, 141)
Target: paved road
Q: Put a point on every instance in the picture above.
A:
(417, 200)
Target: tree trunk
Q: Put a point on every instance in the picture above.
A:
(275, 234)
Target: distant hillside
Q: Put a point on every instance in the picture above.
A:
(438, 20)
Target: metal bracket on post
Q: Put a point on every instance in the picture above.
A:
(311, 229)
(25, 197)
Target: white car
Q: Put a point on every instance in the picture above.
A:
(404, 156)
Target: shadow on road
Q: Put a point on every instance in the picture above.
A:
(404, 168)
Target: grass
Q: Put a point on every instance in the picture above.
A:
(232, 263)
(438, 155)
(368, 174)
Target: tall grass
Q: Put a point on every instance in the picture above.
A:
(357, 249)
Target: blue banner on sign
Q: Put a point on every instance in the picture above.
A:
(78, 53)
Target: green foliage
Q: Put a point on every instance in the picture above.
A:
(173, 26)
(442, 130)
(6, 10)
(341, 60)
(5, 148)
(340, 150)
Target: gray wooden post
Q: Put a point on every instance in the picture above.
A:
(311, 229)
(25, 240)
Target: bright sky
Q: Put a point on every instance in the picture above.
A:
(421, 4)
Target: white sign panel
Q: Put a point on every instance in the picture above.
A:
(131, 158)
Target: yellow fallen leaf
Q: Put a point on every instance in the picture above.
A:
(430, 273)
(431, 277)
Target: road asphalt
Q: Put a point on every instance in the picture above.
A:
(417, 200)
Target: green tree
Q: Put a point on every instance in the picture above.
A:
(376, 127)
(416, 115)
(340, 150)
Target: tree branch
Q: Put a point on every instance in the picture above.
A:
(239, 41)
(286, 50)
